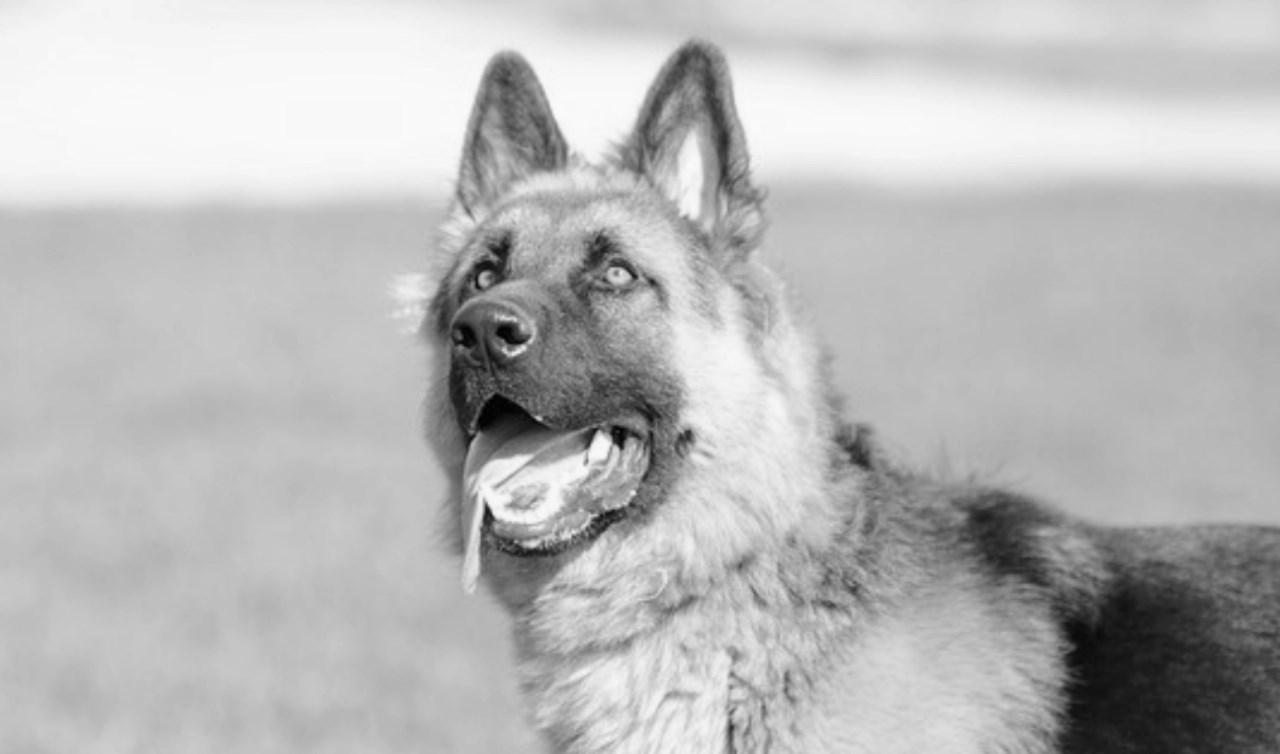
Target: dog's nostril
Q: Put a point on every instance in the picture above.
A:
(514, 333)
(463, 336)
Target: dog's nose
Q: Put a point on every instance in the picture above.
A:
(492, 332)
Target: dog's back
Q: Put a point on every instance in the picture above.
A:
(1185, 653)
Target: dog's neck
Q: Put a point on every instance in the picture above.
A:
(618, 657)
(745, 662)
(684, 668)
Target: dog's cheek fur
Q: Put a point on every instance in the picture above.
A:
(768, 404)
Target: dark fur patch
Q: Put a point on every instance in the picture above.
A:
(1185, 655)
(600, 246)
(500, 245)
(859, 445)
(1020, 538)
(684, 442)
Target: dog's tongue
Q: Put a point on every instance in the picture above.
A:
(537, 482)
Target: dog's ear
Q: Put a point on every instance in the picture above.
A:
(689, 143)
(512, 134)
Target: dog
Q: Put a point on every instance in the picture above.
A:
(650, 470)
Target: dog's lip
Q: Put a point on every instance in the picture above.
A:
(550, 542)
(540, 538)
(633, 423)
(494, 406)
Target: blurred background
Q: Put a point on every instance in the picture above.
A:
(1041, 236)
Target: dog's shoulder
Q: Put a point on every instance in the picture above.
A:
(1185, 619)
(1006, 537)
(1021, 538)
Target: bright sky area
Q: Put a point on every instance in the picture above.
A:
(171, 102)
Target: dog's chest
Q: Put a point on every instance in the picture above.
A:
(940, 677)
(646, 698)
(690, 687)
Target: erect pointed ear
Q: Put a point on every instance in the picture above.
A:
(688, 142)
(512, 134)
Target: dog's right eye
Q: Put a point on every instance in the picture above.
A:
(484, 277)
(619, 276)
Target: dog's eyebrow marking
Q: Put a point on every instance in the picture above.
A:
(600, 247)
(500, 245)
(684, 442)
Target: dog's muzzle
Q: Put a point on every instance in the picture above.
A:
(492, 333)
(552, 459)
(498, 348)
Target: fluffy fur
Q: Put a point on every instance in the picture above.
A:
(778, 585)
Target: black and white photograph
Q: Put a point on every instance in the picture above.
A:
(627, 377)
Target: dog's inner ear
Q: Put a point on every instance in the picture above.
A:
(689, 143)
(690, 175)
(512, 134)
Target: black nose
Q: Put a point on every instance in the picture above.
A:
(492, 332)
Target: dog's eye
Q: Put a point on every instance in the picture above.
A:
(485, 276)
(619, 276)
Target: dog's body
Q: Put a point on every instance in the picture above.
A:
(740, 569)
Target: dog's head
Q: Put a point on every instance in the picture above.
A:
(601, 331)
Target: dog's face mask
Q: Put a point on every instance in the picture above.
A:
(557, 307)
(556, 375)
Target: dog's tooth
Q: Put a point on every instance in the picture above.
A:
(601, 444)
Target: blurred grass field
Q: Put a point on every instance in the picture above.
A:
(218, 515)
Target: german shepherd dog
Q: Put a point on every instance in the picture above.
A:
(653, 476)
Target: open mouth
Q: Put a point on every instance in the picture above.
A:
(535, 490)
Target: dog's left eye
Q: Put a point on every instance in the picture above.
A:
(619, 276)
(485, 276)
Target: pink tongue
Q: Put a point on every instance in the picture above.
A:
(515, 446)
